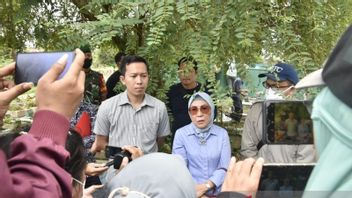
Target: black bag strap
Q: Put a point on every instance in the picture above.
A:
(260, 145)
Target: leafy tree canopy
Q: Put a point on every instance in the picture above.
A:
(213, 32)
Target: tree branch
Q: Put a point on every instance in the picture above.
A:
(86, 14)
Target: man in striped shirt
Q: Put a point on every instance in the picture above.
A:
(132, 117)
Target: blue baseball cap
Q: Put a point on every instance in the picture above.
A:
(280, 72)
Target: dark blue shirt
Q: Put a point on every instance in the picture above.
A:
(111, 83)
(177, 103)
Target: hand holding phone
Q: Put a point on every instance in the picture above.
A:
(62, 95)
(8, 90)
(30, 67)
(94, 169)
(243, 176)
(118, 159)
(109, 163)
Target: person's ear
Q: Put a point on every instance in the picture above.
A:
(122, 79)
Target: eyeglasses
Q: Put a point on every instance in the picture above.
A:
(274, 85)
(79, 182)
(205, 109)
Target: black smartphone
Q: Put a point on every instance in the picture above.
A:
(284, 180)
(31, 66)
(109, 163)
(287, 122)
(111, 151)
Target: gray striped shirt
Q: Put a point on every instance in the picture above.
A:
(125, 125)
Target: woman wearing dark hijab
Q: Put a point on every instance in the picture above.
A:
(204, 146)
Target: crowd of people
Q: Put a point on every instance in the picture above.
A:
(57, 154)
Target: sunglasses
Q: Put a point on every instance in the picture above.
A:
(79, 182)
(274, 85)
(205, 109)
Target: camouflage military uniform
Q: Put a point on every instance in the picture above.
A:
(89, 140)
(95, 88)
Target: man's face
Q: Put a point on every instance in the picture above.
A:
(87, 60)
(291, 115)
(280, 87)
(88, 55)
(187, 74)
(136, 79)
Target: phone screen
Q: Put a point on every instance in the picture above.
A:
(31, 66)
(110, 151)
(287, 122)
(284, 180)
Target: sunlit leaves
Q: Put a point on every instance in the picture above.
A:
(298, 32)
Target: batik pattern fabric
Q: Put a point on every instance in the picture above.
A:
(88, 141)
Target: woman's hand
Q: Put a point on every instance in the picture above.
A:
(243, 176)
(94, 169)
(135, 151)
(201, 189)
(9, 90)
(87, 192)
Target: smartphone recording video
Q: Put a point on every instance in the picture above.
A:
(287, 122)
(284, 180)
(31, 66)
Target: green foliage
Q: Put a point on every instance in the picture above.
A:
(299, 32)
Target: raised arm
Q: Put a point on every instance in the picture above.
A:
(36, 168)
(99, 144)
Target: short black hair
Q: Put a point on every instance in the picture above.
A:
(119, 56)
(85, 48)
(77, 163)
(131, 59)
(188, 59)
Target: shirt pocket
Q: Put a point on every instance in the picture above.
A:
(148, 132)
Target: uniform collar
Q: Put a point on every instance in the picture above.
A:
(146, 101)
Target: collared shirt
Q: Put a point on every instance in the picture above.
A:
(125, 125)
(178, 98)
(205, 160)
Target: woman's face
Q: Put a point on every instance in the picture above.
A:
(77, 187)
(200, 113)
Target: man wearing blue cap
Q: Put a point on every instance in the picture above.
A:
(278, 85)
(279, 80)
